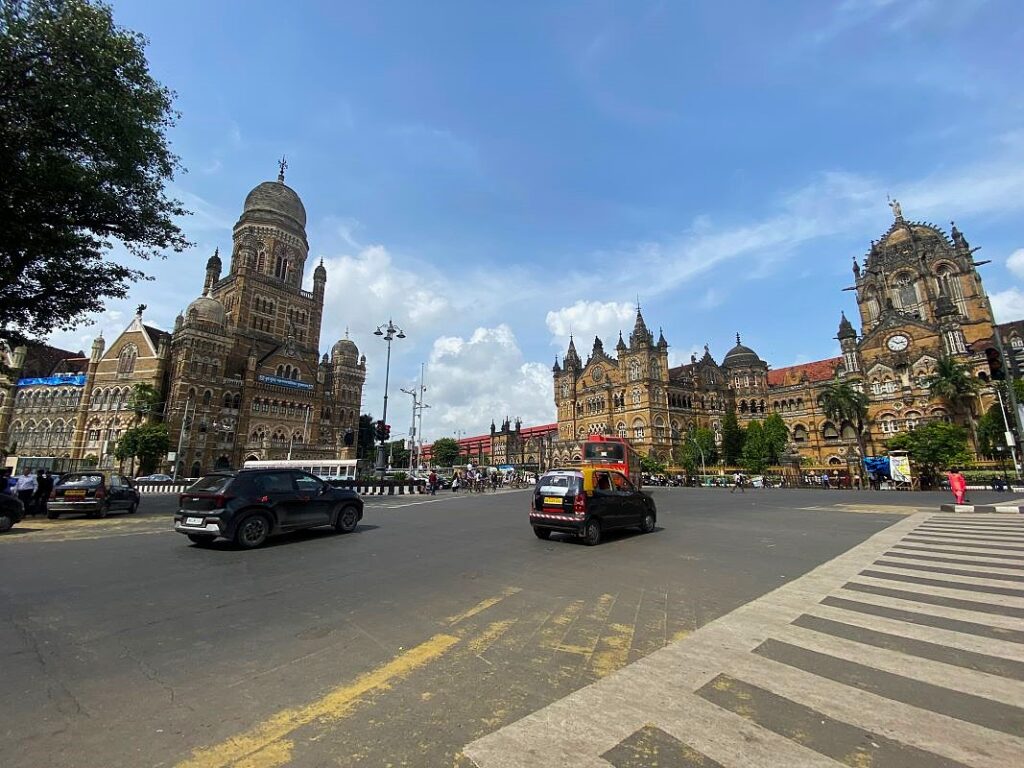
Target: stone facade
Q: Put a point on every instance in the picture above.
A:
(920, 298)
(240, 377)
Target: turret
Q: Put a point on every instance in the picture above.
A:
(213, 267)
(640, 337)
(98, 345)
(572, 358)
(319, 279)
(621, 346)
(848, 342)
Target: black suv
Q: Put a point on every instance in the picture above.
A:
(249, 505)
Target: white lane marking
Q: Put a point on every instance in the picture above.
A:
(944, 637)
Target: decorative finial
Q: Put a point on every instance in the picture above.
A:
(216, 252)
(140, 309)
(321, 261)
(737, 338)
(897, 211)
(346, 331)
(282, 164)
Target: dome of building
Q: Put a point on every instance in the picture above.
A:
(902, 234)
(740, 356)
(345, 348)
(206, 309)
(276, 197)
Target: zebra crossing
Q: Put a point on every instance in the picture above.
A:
(906, 651)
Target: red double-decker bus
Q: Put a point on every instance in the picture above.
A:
(614, 453)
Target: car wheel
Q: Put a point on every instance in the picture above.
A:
(6, 523)
(348, 519)
(52, 515)
(200, 539)
(252, 531)
(542, 533)
(647, 524)
(592, 534)
(133, 508)
(102, 511)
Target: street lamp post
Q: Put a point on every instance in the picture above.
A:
(412, 428)
(390, 332)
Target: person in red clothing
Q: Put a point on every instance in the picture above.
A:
(957, 484)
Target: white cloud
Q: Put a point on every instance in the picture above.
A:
(1008, 305)
(1015, 262)
(471, 381)
(590, 318)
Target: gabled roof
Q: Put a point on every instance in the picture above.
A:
(819, 370)
(156, 335)
(43, 360)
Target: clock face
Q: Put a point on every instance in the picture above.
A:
(596, 374)
(898, 343)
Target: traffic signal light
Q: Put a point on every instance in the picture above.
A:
(995, 364)
(378, 430)
(387, 431)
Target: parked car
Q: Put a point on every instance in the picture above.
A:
(94, 492)
(11, 512)
(588, 501)
(248, 505)
(158, 478)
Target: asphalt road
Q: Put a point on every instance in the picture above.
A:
(440, 620)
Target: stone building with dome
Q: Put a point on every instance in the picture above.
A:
(920, 298)
(240, 376)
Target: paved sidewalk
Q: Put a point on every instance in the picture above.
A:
(906, 651)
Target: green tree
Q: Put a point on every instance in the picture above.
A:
(756, 453)
(956, 386)
(144, 400)
(366, 441)
(651, 465)
(688, 454)
(732, 438)
(399, 453)
(934, 448)
(146, 442)
(990, 429)
(776, 437)
(445, 451)
(841, 402)
(84, 159)
(1018, 390)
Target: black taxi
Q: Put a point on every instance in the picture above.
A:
(587, 501)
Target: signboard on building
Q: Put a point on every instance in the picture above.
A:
(57, 380)
(280, 381)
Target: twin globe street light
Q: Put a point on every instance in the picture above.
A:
(390, 332)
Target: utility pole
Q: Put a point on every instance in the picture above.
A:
(181, 439)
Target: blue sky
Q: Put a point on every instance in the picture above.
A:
(494, 175)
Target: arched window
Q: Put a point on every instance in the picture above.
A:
(655, 369)
(888, 424)
(207, 396)
(634, 370)
(912, 419)
(659, 427)
(636, 396)
(126, 360)
(638, 429)
(849, 431)
(799, 434)
(829, 431)
(906, 292)
(1016, 342)
(620, 429)
(949, 282)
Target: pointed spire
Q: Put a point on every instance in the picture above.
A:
(598, 347)
(738, 339)
(282, 164)
(572, 357)
(640, 334)
(661, 338)
(556, 368)
(621, 345)
(845, 328)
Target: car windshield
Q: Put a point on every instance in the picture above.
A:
(211, 483)
(81, 480)
(559, 484)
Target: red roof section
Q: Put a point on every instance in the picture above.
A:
(819, 370)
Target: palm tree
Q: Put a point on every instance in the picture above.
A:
(953, 383)
(842, 402)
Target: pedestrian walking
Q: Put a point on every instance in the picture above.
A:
(26, 490)
(825, 481)
(957, 484)
(432, 481)
(45, 482)
(738, 482)
(455, 483)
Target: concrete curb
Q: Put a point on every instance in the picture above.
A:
(966, 509)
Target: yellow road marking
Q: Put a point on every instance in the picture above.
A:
(271, 756)
(486, 639)
(333, 706)
(553, 635)
(483, 605)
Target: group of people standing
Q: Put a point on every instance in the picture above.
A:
(33, 489)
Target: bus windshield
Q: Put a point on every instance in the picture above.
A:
(593, 451)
